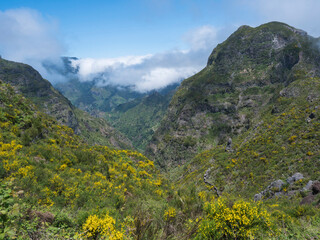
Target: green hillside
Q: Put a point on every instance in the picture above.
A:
(53, 183)
(244, 76)
(139, 119)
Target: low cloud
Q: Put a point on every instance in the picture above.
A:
(151, 72)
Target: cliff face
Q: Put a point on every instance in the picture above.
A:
(244, 75)
(29, 82)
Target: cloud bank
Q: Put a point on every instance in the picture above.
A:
(29, 37)
(151, 72)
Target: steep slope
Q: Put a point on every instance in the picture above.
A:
(29, 82)
(53, 184)
(244, 75)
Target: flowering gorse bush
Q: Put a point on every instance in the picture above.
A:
(240, 221)
(102, 228)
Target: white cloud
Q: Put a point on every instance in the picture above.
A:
(203, 37)
(302, 14)
(141, 73)
(90, 67)
(161, 77)
(27, 36)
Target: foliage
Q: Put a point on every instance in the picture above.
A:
(241, 221)
(102, 228)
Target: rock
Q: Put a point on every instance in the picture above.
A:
(295, 177)
(229, 143)
(307, 200)
(276, 186)
(278, 194)
(257, 197)
(308, 186)
(312, 116)
(315, 187)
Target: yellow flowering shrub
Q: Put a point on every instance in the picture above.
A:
(170, 214)
(240, 221)
(104, 228)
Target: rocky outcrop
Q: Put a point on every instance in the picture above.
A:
(279, 188)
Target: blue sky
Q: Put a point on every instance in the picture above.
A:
(104, 28)
(170, 39)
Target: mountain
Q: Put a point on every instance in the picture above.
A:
(29, 82)
(244, 77)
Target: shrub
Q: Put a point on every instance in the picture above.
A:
(242, 220)
(96, 227)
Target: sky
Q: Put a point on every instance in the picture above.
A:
(145, 44)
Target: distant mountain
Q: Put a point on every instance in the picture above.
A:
(29, 82)
(245, 77)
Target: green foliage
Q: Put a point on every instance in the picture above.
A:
(243, 220)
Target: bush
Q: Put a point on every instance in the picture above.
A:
(242, 220)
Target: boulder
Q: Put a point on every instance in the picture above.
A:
(276, 186)
(228, 147)
(257, 197)
(295, 177)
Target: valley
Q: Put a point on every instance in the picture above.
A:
(232, 152)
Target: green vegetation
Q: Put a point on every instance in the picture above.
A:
(139, 119)
(136, 115)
